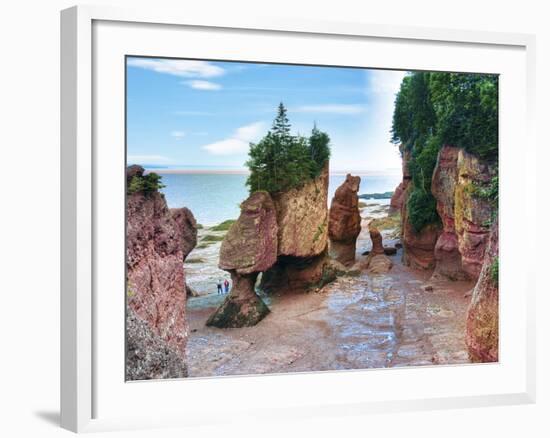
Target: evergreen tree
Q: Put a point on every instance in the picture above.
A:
(319, 149)
(281, 125)
(281, 161)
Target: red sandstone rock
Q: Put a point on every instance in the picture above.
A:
(400, 194)
(448, 260)
(482, 323)
(418, 247)
(188, 225)
(154, 261)
(302, 218)
(472, 212)
(377, 262)
(398, 197)
(345, 221)
(249, 247)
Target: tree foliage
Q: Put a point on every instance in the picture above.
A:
(146, 184)
(433, 109)
(280, 161)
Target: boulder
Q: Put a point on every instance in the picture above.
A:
(249, 247)
(345, 221)
(482, 322)
(188, 226)
(154, 264)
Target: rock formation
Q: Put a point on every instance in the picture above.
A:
(399, 194)
(482, 323)
(155, 278)
(302, 218)
(448, 261)
(418, 247)
(249, 247)
(472, 212)
(188, 225)
(148, 356)
(377, 262)
(344, 221)
(456, 250)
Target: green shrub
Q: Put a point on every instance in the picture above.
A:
(224, 226)
(421, 208)
(212, 238)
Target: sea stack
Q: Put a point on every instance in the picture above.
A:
(377, 261)
(302, 218)
(249, 247)
(345, 221)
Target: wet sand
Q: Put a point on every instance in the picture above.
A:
(356, 322)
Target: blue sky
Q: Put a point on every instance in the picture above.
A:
(203, 114)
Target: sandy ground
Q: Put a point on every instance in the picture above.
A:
(355, 322)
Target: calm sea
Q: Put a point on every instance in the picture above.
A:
(214, 198)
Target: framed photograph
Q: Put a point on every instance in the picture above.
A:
(311, 217)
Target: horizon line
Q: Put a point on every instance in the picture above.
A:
(243, 171)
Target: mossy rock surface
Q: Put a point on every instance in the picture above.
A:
(236, 313)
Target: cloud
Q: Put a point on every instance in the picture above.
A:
(177, 134)
(333, 108)
(148, 159)
(385, 81)
(176, 67)
(238, 142)
(203, 85)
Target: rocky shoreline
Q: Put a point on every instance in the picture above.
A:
(315, 288)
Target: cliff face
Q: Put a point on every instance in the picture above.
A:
(148, 355)
(472, 213)
(155, 277)
(302, 218)
(482, 322)
(345, 221)
(249, 247)
(418, 247)
(400, 193)
(456, 251)
(448, 260)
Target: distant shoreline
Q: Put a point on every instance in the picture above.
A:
(246, 172)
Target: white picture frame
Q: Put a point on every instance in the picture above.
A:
(92, 396)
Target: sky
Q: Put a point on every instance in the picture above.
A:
(203, 114)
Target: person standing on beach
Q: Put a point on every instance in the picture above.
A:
(226, 285)
(220, 291)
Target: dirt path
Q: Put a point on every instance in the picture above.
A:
(355, 322)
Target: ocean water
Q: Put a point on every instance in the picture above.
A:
(216, 197)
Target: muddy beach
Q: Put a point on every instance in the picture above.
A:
(358, 321)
